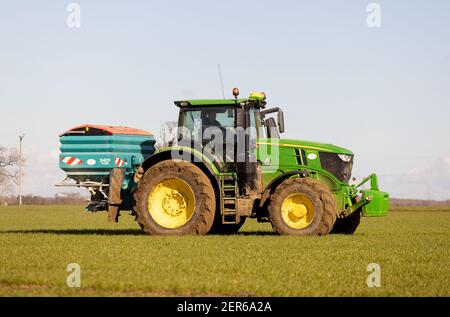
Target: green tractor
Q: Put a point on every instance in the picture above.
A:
(229, 164)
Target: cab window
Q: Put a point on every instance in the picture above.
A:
(196, 121)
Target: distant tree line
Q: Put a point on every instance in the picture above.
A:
(418, 202)
(78, 199)
(9, 160)
(58, 199)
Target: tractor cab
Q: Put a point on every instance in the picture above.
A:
(222, 125)
(196, 116)
(226, 131)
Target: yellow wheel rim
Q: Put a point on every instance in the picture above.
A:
(171, 203)
(297, 211)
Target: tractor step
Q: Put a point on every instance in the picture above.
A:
(229, 178)
(229, 192)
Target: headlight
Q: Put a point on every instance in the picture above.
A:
(345, 157)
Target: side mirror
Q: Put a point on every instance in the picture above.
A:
(271, 128)
(280, 121)
(280, 117)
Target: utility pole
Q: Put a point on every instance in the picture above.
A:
(20, 168)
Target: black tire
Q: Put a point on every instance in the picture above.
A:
(322, 200)
(116, 177)
(113, 213)
(348, 224)
(220, 228)
(205, 202)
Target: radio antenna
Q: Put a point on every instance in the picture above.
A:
(221, 81)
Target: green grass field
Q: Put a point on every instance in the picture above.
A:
(412, 246)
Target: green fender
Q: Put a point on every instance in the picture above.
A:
(183, 153)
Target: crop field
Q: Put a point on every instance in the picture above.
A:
(411, 245)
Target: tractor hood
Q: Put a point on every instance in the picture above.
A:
(323, 147)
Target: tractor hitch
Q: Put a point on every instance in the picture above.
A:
(374, 203)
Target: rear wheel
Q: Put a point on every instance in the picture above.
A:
(302, 206)
(175, 198)
(348, 224)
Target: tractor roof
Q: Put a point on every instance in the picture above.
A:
(208, 102)
(257, 98)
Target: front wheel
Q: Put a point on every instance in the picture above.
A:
(175, 198)
(302, 206)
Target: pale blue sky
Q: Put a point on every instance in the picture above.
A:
(383, 93)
